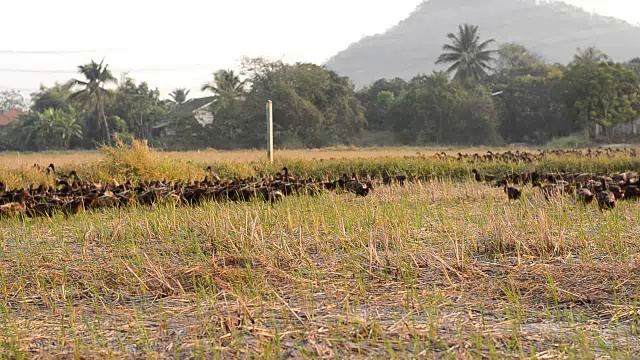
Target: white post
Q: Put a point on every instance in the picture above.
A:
(270, 131)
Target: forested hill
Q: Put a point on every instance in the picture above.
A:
(552, 29)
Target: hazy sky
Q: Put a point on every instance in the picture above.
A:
(181, 44)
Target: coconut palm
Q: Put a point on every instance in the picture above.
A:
(93, 95)
(179, 96)
(228, 91)
(225, 83)
(469, 58)
(590, 55)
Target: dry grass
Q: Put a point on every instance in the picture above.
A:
(15, 160)
(138, 161)
(434, 269)
(429, 270)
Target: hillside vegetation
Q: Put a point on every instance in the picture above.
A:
(553, 30)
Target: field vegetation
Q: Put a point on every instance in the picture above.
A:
(443, 266)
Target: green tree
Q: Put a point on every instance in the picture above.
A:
(590, 55)
(93, 94)
(12, 100)
(469, 58)
(531, 104)
(313, 106)
(55, 97)
(379, 99)
(516, 60)
(477, 118)
(138, 105)
(35, 129)
(226, 84)
(230, 122)
(634, 65)
(420, 115)
(179, 96)
(601, 95)
(436, 110)
(66, 126)
(50, 129)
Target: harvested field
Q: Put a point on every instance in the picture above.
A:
(444, 266)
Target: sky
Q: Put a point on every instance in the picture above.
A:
(180, 43)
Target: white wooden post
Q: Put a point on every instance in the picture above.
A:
(270, 131)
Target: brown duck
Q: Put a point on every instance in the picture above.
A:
(584, 195)
(606, 199)
(512, 193)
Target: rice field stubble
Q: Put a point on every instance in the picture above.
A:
(434, 269)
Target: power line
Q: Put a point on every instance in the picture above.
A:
(39, 71)
(54, 52)
(28, 90)
(125, 70)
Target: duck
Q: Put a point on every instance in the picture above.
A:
(286, 177)
(16, 206)
(617, 191)
(606, 199)
(550, 190)
(12, 209)
(631, 192)
(354, 185)
(481, 178)
(43, 209)
(512, 193)
(584, 195)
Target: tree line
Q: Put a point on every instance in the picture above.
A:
(488, 95)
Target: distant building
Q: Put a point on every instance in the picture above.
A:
(628, 129)
(199, 109)
(9, 117)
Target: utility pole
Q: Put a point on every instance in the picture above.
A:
(270, 131)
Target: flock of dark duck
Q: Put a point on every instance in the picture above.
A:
(71, 195)
(585, 188)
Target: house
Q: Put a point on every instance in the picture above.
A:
(9, 117)
(199, 109)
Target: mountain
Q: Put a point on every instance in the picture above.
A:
(552, 29)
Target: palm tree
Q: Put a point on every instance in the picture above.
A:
(93, 94)
(225, 83)
(590, 55)
(66, 126)
(179, 96)
(469, 57)
(39, 129)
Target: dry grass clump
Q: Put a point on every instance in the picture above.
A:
(23, 176)
(436, 269)
(138, 161)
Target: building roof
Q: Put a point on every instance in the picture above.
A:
(195, 104)
(189, 107)
(9, 117)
